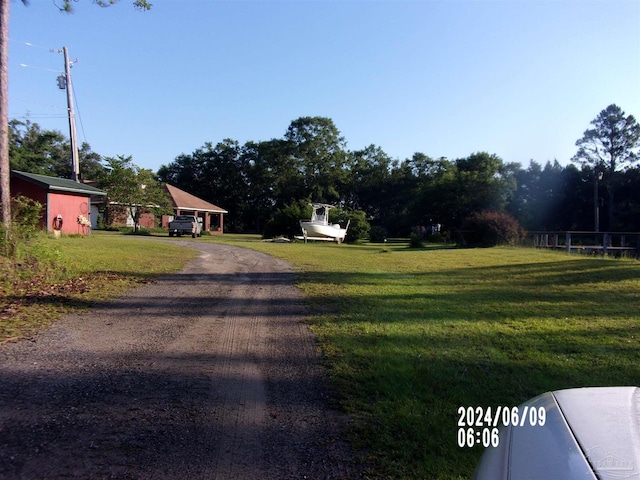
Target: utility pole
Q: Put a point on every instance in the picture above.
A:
(75, 163)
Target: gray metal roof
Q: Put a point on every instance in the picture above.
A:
(58, 184)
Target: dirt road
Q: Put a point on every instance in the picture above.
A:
(207, 373)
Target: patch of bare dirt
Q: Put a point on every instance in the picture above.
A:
(207, 373)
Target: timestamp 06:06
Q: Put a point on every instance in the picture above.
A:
(470, 437)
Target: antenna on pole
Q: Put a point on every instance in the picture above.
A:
(65, 82)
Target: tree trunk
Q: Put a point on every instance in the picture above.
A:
(5, 196)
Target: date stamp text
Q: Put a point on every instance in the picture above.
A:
(480, 425)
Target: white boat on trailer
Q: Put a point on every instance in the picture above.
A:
(319, 228)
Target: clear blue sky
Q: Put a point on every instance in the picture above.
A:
(518, 78)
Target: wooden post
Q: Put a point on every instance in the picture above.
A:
(567, 242)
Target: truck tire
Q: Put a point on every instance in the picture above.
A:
(193, 235)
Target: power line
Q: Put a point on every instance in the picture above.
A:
(35, 102)
(79, 116)
(71, 97)
(24, 65)
(36, 115)
(31, 44)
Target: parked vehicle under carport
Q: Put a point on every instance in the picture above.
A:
(186, 225)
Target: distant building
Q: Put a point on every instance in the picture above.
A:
(64, 201)
(186, 204)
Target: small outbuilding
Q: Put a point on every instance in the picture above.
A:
(186, 204)
(66, 203)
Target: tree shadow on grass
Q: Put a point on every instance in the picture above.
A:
(408, 349)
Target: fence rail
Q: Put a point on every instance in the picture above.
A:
(605, 243)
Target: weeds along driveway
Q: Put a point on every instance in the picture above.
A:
(206, 373)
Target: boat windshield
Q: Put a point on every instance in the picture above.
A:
(320, 215)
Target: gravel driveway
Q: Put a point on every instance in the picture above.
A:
(207, 373)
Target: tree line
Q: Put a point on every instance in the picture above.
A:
(259, 182)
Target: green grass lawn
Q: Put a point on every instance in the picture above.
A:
(80, 271)
(410, 335)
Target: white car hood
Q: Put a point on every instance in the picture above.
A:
(589, 433)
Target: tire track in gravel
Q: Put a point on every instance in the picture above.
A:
(207, 373)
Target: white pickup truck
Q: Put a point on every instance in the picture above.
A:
(186, 224)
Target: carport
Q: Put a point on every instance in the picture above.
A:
(186, 204)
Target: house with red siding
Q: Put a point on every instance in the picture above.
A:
(64, 201)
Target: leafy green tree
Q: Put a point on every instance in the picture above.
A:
(131, 188)
(186, 172)
(368, 180)
(433, 199)
(47, 152)
(396, 216)
(628, 202)
(611, 144)
(539, 196)
(484, 182)
(217, 174)
(34, 150)
(273, 179)
(225, 171)
(319, 149)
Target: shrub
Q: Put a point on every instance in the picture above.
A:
(24, 250)
(488, 229)
(286, 220)
(377, 234)
(358, 224)
(439, 237)
(24, 225)
(415, 240)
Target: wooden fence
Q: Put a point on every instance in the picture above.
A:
(604, 243)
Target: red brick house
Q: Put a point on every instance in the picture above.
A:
(186, 204)
(64, 201)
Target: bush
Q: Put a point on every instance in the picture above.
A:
(24, 226)
(358, 224)
(488, 229)
(415, 240)
(286, 220)
(439, 237)
(24, 250)
(377, 234)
